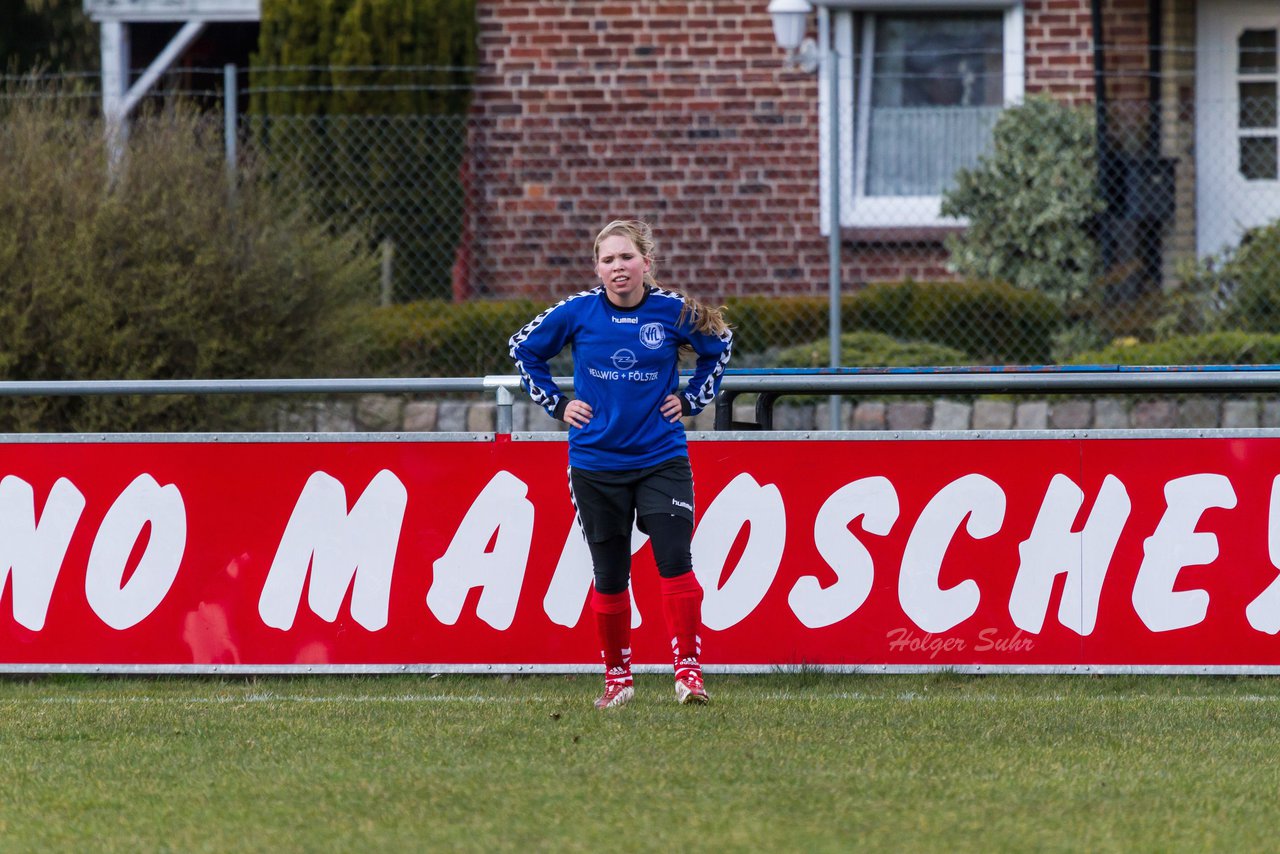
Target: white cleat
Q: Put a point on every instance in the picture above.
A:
(615, 695)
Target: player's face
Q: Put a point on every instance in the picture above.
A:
(621, 268)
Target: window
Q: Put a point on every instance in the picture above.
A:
(919, 95)
(1256, 86)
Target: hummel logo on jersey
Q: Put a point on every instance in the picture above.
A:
(617, 319)
(680, 503)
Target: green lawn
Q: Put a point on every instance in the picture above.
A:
(801, 761)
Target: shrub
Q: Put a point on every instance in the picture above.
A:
(157, 275)
(1237, 288)
(432, 338)
(1214, 348)
(1253, 268)
(992, 322)
(988, 322)
(870, 350)
(764, 322)
(1031, 203)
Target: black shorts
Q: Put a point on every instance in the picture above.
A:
(609, 502)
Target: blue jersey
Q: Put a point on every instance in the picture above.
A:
(624, 364)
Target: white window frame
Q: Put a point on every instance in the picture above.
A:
(858, 210)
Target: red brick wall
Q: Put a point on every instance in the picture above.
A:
(681, 113)
(1059, 49)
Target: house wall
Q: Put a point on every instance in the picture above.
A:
(678, 113)
(682, 113)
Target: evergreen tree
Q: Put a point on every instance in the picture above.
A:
(369, 98)
(50, 35)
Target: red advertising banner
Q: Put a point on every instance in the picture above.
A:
(1149, 553)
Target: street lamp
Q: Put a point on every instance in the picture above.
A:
(790, 20)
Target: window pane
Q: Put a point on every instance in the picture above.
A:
(939, 60)
(1257, 105)
(1258, 51)
(1258, 158)
(937, 89)
(915, 151)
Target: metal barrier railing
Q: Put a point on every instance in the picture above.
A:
(768, 385)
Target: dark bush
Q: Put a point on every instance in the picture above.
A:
(764, 322)
(160, 273)
(432, 338)
(870, 350)
(986, 322)
(993, 322)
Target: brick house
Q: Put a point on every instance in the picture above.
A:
(688, 114)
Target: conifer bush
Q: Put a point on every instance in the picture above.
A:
(367, 101)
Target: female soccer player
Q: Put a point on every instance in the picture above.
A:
(628, 459)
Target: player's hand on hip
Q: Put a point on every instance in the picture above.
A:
(577, 413)
(671, 408)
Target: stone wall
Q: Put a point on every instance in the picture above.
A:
(387, 413)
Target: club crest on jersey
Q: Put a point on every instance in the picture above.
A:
(624, 360)
(652, 335)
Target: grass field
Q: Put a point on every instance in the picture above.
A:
(802, 761)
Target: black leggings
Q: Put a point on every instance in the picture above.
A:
(669, 536)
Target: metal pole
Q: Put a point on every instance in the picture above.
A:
(230, 95)
(504, 418)
(832, 56)
(114, 39)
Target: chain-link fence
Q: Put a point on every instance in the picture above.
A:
(397, 178)
(1134, 227)
(1062, 230)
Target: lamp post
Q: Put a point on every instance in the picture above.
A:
(790, 20)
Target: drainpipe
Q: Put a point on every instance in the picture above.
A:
(1155, 51)
(1106, 174)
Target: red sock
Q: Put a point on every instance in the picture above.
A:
(682, 606)
(613, 628)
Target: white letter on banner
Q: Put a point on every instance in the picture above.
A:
(31, 554)
(501, 508)
(934, 610)
(1264, 612)
(1176, 544)
(742, 502)
(123, 605)
(872, 498)
(1053, 548)
(344, 551)
(572, 580)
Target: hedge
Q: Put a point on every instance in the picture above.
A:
(433, 338)
(993, 322)
(871, 350)
(1214, 348)
(985, 322)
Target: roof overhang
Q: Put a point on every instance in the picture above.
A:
(900, 5)
(162, 11)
